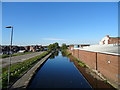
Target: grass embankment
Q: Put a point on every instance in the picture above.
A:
(16, 54)
(66, 53)
(18, 69)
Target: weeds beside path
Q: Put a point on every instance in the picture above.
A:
(16, 70)
(16, 54)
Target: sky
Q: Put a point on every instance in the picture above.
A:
(60, 0)
(43, 23)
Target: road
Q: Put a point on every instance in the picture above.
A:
(20, 58)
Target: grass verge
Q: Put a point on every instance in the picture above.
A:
(5, 56)
(18, 69)
(66, 53)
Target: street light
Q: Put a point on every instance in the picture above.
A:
(10, 54)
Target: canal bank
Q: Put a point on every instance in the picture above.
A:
(24, 80)
(59, 72)
(95, 80)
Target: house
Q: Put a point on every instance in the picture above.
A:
(35, 48)
(110, 40)
(71, 47)
(27, 48)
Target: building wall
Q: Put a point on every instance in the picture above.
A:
(106, 64)
(32, 48)
(88, 57)
(71, 47)
(104, 40)
(114, 41)
(84, 46)
(75, 53)
(27, 48)
(109, 40)
(85, 56)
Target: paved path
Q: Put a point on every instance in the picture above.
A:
(24, 80)
(20, 58)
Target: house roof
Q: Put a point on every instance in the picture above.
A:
(78, 44)
(109, 49)
(114, 37)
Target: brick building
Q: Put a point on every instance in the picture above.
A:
(35, 48)
(5, 49)
(110, 40)
(27, 48)
(72, 46)
(104, 59)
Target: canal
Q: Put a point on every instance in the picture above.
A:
(59, 72)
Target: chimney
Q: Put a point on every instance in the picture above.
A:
(107, 36)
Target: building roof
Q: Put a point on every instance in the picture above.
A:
(109, 49)
(114, 37)
(78, 44)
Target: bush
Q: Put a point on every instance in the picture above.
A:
(65, 53)
(81, 64)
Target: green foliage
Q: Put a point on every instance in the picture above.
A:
(105, 81)
(4, 56)
(54, 54)
(81, 64)
(53, 46)
(64, 46)
(65, 53)
(18, 69)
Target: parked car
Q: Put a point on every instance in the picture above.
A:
(1, 53)
(22, 51)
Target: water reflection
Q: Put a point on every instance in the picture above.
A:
(63, 54)
(59, 73)
(54, 54)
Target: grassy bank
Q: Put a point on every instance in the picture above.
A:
(66, 53)
(90, 74)
(18, 69)
(16, 54)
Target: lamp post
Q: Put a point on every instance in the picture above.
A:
(10, 53)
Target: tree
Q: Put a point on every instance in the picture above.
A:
(53, 46)
(56, 45)
(64, 46)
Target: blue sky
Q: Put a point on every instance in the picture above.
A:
(62, 22)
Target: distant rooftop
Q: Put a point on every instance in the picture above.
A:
(114, 37)
(79, 44)
(109, 49)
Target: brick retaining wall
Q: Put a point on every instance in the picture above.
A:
(106, 64)
(88, 57)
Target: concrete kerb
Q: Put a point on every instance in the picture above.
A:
(25, 79)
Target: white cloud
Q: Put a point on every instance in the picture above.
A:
(54, 39)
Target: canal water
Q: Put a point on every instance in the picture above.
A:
(59, 72)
